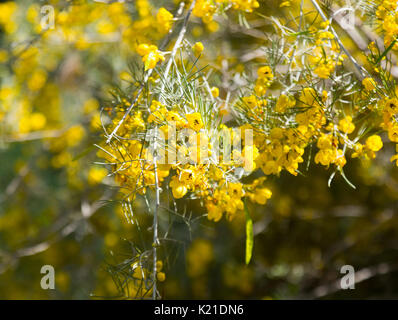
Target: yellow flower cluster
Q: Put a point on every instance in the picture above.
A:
(264, 80)
(164, 20)
(193, 173)
(205, 9)
(325, 56)
(390, 124)
(283, 147)
(150, 55)
(388, 20)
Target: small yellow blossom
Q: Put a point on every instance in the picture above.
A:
(374, 143)
(369, 84)
(195, 121)
(265, 73)
(150, 55)
(198, 48)
(215, 92)
(346, 125)
(164, 20)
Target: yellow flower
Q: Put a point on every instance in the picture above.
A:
(369, 84)
(271, 167)
(204, 9)
(235, 190)
(325, 141)
(37, 80)
(213, 212)
(245, 5)
(164, 19)
(175, 119)
(325, 156)
(283, 103)
(197, 48)
(261, 195)
(150, 55)
(105, 27)
(250, 101)
(38, 121)
(161, 276)
(340, 158)
(394, 158)
(285, 4)
(195, 121)
(309, 97)
(346, 125)
(324, 70)
(393, 133)
(374, 143)
(215, 92)
(358, 150)
(159, 265)
(265, 73)
(178, 188)
(143, 49)
(392, 106)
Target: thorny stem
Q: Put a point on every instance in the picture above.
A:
(149, 73)
(360, 69)
(157, 189)
(155, 219)
(131, 106)
(177, 45)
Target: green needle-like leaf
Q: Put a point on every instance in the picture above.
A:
(249, 235)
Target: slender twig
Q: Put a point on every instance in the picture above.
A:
(177, 45)
(148, 74)
(37, 135)
(59, 230)
(362, 71)
(155, 219)
(360, 276)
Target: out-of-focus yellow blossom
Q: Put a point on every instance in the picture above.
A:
(164, 20)
(96, 175)
(161, 276)
(37, 80)
(3, 56)
(199, 256)
(374, 143)
(204, 9)
(7, 11)
(215, 92)
(198, 48)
